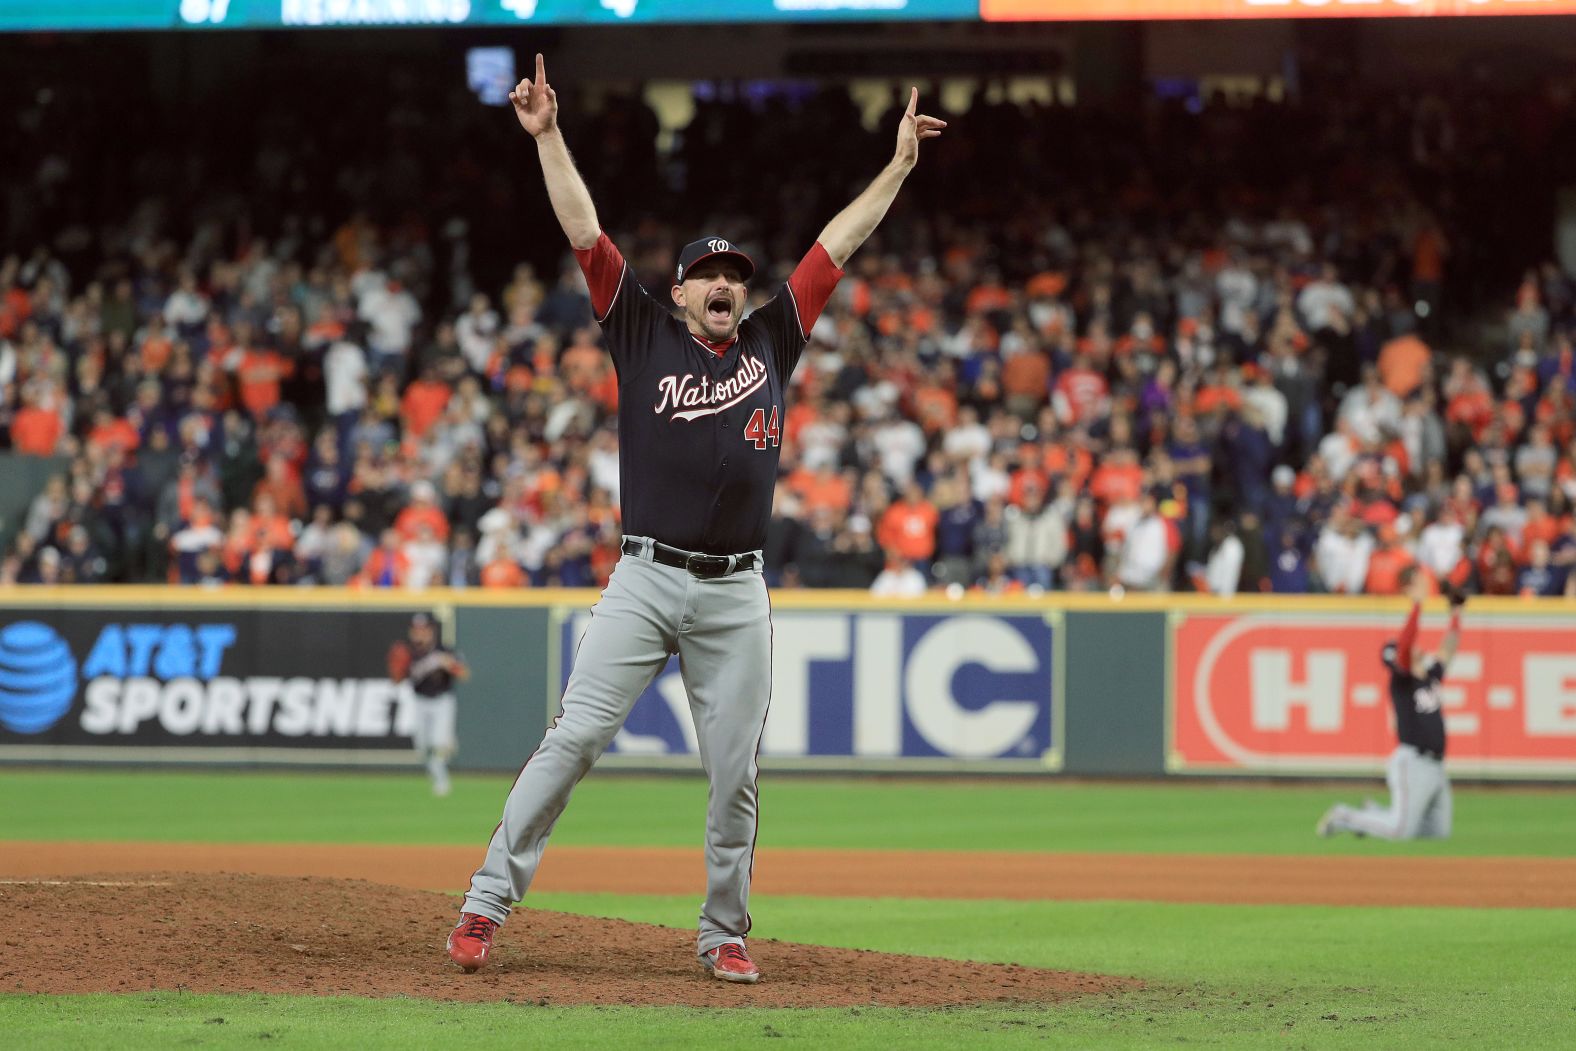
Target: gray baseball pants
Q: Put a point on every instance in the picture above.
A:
(721, 630)
(1420, 804)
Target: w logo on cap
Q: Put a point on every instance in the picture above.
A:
(695, 251)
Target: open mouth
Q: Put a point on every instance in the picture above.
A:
(719, 308)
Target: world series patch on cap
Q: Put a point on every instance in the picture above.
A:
(706, 248)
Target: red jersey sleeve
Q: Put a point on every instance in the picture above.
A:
(603, 265)
(1408, 636)
(811, 285)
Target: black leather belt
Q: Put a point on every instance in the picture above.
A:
(693, 562)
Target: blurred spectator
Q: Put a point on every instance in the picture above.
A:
(388, 566)
(1290, 572)
(1341, 557)
(1539, 578)
(899, 579)
(1036, 541)
(1145, 553)
(908, 528)
(1223, 572)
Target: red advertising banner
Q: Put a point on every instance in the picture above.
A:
(1113, 10)
(1306, 693)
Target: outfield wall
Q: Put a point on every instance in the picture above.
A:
(1067, 684)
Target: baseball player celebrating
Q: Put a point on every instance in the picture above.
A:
(1420, 803)
(432, 669)
(700, 418)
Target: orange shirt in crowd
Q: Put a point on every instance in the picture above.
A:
(817, 490)
(1215, 398)
(1114, 483)
(259, 375)
(909, 529)
(502, 572)
(987, 297)
(1027, 374)
(1396, 451)
(16, 306)
(156, 351)
(1475, 409)
(36, 431)
(1047, 284)
(409, 522)
(117, 433)
(581, 366)
(288, 496)
(423, 403)
(1384, 570)
(1022, 479)
(385, 568)
(936, 408)
(1068, 461)
(1402, 363)
(1513, 416)
(273, 528)
(1544, 527)
(799, 414)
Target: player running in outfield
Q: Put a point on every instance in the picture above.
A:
(1420, 804)
(432, 669)
(700, 418)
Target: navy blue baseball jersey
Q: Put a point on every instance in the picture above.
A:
(1419, 721)
(700, 423)
(429, 670)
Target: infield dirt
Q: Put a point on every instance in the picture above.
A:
(120, 932)
(1229, 879)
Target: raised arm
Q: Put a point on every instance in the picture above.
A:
(1452, 639)
(536, 106)
(1408, 636)
(848, 230)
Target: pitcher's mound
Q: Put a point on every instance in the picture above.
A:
(273, 934)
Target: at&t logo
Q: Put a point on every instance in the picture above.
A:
(38, 677)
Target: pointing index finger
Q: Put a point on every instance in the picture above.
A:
(913, 101)
(541, 71)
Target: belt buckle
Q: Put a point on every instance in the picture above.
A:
(706, 566)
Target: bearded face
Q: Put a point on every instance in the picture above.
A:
(712, 297)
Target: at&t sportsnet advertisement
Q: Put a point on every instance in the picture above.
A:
(247, 682)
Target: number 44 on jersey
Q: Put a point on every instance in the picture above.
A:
(759, 431)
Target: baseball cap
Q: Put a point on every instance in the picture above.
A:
(707, 247)
(423, 620)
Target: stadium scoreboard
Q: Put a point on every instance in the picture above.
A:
(310, 14)
(34, 15)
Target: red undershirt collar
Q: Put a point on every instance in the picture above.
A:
(718, 349)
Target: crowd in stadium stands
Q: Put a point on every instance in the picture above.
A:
(1097, 373)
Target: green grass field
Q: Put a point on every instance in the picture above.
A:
(1219, 976)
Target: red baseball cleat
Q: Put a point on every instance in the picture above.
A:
(471, 941)
(731, 963)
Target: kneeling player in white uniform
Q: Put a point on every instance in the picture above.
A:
(432, 670)
(1420, 805)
